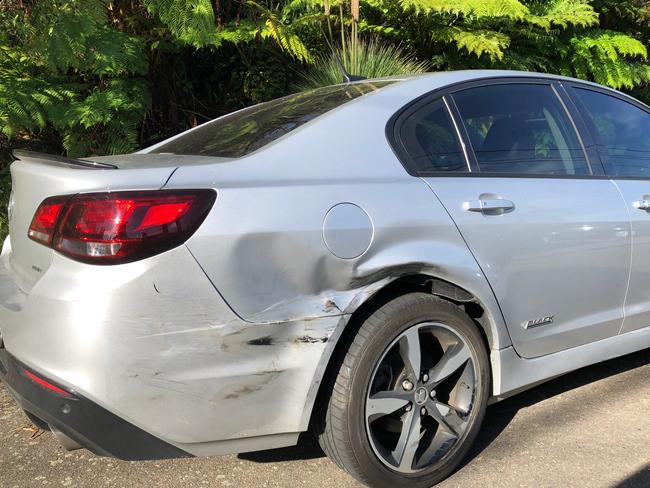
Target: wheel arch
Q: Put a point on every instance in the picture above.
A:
(489, 321)
(479, 305)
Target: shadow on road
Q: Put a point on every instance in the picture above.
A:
(641, 479)
(498, 416)
(307, 448)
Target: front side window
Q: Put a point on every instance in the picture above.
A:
(624, 132)
(521, 129)
(429, 138)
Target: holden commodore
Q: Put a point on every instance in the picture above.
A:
(374, 262)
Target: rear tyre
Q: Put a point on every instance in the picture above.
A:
(410, 394)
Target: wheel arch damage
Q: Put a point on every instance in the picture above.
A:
(385, 285)
(280, 276)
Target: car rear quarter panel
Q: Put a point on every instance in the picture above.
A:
(262, 245)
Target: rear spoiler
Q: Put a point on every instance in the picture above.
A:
(22, 155)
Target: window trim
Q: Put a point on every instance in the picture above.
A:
(462, 134)
(583, 112)
(467, 149)
(581, 125)
(594, 165)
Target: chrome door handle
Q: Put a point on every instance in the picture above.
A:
(491, 205)
(642, 204)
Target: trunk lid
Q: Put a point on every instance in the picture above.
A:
(34, 177)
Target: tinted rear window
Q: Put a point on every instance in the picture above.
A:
(243, 132)
(429, 137)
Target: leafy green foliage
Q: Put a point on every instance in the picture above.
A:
(562, 14)
(190, 21)
(478, 42)
(572, 37)
(511, 9)
(29, 103)
(601, 55)
(285, 37)
(107, 76)
(55, 58)
(199, 23)
(115, 109)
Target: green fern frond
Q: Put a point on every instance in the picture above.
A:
(237, 33)
(121, 137)
(62, 29)
(77, 142)
(286, 39)
(282, 34)
(299, 7)
(190, 21)
(385, 30)
(193, 22)
(477, 42)
(511, 9)
(112, 113)
(29, 103)
(110, 52)
(611, 58)
(563, 13)
(613, 44)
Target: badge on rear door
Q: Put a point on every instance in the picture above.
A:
(531, 324)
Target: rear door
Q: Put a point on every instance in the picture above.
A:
(552, 238)
(621, 128)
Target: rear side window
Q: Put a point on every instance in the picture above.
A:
(521, 129)
(429, 138)
(624, 132)
(243, 132)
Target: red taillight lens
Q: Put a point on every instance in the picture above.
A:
(44, 221)
(111, 228)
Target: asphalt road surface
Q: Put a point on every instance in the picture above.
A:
(587, 429)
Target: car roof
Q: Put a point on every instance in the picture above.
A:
(406, 89)
(441, 79)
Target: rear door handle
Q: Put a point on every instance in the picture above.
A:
(642, 204)
(494, 205)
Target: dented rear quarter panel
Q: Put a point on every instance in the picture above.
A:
(262, 244)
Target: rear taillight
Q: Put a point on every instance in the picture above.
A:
(44, 222)
(119, 227)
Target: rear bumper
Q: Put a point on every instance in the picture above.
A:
(153, 344)
(80, 419)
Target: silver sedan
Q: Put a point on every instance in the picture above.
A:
(373, 261)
